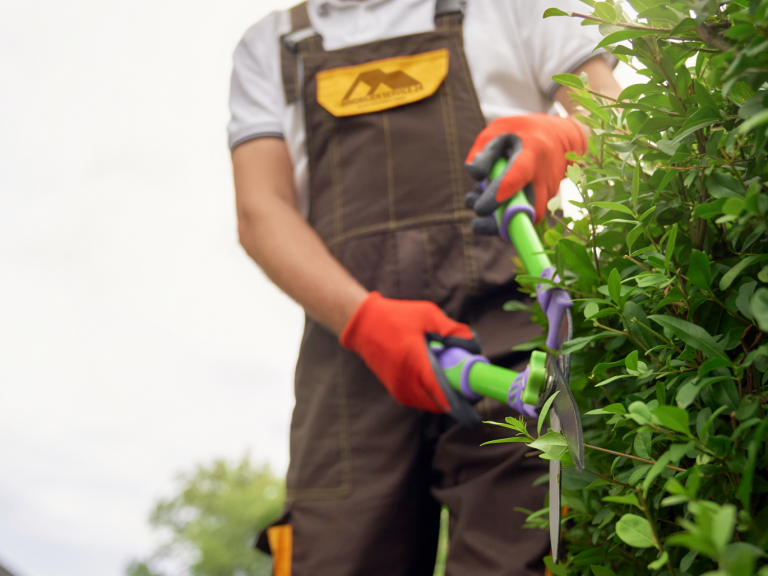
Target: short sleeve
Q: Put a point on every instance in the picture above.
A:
(256, 100)
(559, 44)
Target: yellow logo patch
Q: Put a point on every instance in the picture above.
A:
(383, 84)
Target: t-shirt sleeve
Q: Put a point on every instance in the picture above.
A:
(256, 100)
(559, 44)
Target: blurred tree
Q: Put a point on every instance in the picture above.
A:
(213, 521)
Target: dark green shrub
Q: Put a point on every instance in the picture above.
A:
(668, 269)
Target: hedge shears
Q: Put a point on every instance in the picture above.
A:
(473, 376)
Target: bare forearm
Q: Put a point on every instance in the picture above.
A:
(289, 251)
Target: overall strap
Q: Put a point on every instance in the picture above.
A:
(449, 13)
(291, 43)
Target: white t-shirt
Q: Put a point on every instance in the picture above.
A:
(512, 53)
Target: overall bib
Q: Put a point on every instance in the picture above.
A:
(388, 127)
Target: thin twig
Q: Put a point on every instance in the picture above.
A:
(611, 480)
(571, 230)
(632, 457)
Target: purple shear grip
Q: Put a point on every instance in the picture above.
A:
(512, 211)
(515, 396)
(554, 302)
(450, 357)
(465, 389)
(543, 294)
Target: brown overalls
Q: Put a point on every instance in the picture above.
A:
(367, 476)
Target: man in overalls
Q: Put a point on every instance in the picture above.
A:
(351, 125)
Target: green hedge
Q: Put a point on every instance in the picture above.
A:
(668, 270)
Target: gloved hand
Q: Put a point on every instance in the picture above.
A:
(391, 337)
(536, 144)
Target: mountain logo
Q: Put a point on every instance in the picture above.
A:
(397, 81)
(381, 84)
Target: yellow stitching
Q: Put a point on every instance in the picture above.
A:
(448, 140)
(316, 493)
(344, 445)
(390, 169)
(338, 224)
(344, 441)
(468, 78)
(430, 273)
(463, 216)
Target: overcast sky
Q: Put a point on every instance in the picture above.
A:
(136, 338)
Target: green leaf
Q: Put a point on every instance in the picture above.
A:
(670, 245)
(549, 12)
(602, 571)
(734, 272)
(578, 343)
(720, 185)
(712, 364)
(544, 412)
(630, 499)
(621, 36)
(517, 306)
(634, 234)
(673, 418)
(687, 560)
(635, 185)
(549, 440)
(759, 308)
(579, 260)
(568, 80)
(631, 360)
(733, 206)
(659, 562)
(702, 118)
(691, 334)
(614, 286)
(688, 393)
(757, 120)
(556, 569)
(506, 440)
(612, 378)
(605, 11)
(709, 210)
(610, 409)
(635, 531)
(723, 524)
(640, 412)
(642, 445)
(655, 470)
(746, 291)
(698, 271)
(614, 206)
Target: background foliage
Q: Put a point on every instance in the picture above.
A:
(213, 521)
(668, 270)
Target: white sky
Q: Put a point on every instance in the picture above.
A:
(136, 337)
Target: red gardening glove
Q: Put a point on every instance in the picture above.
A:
(391, 337)
(536, 144)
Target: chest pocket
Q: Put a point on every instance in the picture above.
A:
(381, 84)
